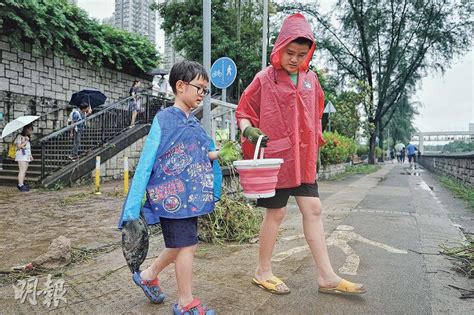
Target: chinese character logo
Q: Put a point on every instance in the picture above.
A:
(52, 294)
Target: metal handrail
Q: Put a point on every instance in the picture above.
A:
(71, 126)
(99, 128)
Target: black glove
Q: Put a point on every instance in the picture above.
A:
(252, 134)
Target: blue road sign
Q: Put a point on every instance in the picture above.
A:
(223, 72)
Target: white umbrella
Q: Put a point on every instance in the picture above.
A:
(399, 146)
(18, 123)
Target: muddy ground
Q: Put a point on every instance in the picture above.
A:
(30, 221)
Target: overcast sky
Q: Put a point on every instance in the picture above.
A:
(447, 100)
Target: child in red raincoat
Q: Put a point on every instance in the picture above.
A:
(285, 102)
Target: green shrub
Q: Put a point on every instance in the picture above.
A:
(337, 148)
(379, 152)
(362, 149)
(61, 27)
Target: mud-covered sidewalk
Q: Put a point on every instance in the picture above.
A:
(393, 223)
(30, 221)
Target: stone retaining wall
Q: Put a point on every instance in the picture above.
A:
(37, 83)
(332, 170)
(460, 166)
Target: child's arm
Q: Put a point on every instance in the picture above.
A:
(213, 155)
(133, 202)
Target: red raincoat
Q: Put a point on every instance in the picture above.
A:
(289, 115)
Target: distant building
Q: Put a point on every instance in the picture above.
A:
(136, 16)
(171, 56)
(73, 2)
(109, 21)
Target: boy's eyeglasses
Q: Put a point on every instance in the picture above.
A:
(200, 90)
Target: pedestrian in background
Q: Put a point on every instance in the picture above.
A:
(285, 102)
(411, 153)
(402, 154)
(181, 183)
(23, 155)
(75, 118)
(134, 102)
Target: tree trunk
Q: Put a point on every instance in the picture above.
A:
(381, 140)
(372, 146)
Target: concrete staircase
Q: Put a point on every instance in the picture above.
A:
(9, 171)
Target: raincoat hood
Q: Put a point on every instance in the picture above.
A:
(293, 27)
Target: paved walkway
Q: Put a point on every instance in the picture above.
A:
(384, 229)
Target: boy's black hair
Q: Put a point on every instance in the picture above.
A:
(83, 106)
(303, 41)
(186, 71)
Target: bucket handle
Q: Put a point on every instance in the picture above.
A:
(257, 148)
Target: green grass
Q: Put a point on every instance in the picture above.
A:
(461, 191)
(361, 169)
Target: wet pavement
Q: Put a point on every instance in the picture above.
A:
(393, 221)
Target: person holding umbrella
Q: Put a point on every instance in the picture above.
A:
(22, 145)
(134, 102)
(77, 116)
(23, 155)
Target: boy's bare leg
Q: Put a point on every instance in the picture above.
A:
(166, 257)
(268, 234)
(184, 274)
(311, 210)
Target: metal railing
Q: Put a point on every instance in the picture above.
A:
(98, 129)
(223, 118)
(113, 120)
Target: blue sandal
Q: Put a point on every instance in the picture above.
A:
(193, 308)
(151, 288)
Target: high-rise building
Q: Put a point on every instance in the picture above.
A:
(109, 21)
(171, 56)
(136, 16)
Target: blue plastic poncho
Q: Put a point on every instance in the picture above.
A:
(174, 170)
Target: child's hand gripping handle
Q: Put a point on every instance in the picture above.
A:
(253, 134)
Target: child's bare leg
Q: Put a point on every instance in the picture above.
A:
(22, 166)
(268, 234)
(311, 209)
(166, 257)
(184, 274)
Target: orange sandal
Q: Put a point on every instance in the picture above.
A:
(270, 285)
(345, 288)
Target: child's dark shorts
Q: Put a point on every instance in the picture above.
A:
(179, 233)
(281, 197)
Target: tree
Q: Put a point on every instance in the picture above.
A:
(236, 32)
(61, 27)
(389, 44)
(346, 121)
(399, 123)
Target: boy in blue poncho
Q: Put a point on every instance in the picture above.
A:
(181, 183)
